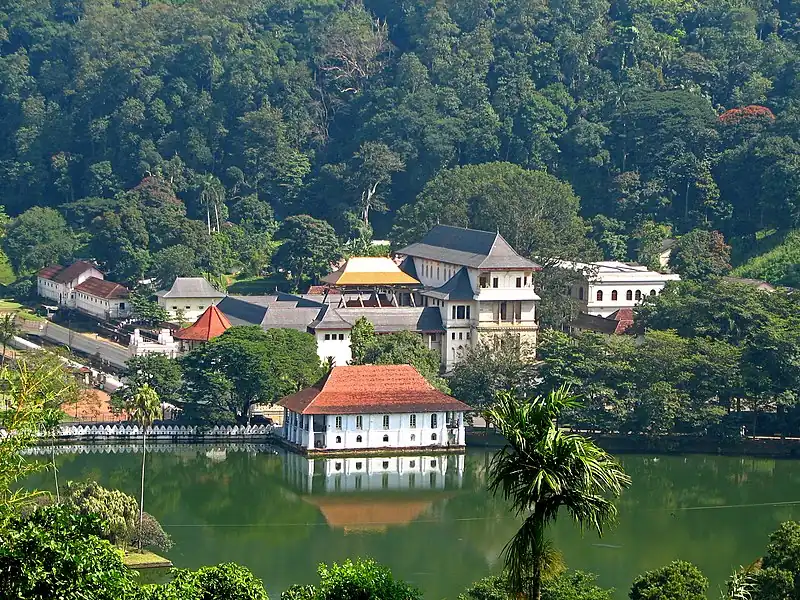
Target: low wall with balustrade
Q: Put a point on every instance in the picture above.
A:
(123, 431)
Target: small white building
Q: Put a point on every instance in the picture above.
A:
(605, 287)
(102, 299)
(165, 344)
(189, 296)
(58, 283)
(372, 407)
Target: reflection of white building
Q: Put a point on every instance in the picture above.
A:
(371, 494)
(373, 407)
(376, 473)
(606, 287)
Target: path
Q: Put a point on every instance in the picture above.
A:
(109, 351)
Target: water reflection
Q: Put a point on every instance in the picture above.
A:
(430, 518)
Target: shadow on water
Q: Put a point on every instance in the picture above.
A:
(429, 517)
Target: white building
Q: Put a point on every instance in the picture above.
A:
(102, 299)
(165, 344)
(482, 287)
(373, 407)
(81, 286)
(58, 283)
(605, 287)
(189, 297)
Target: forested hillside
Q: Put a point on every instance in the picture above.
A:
(176, 133)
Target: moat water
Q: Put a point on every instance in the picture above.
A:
(430, 518)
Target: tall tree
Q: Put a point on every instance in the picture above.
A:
(144, 407)
(542, 470)
(308, 249)
(37, 238)
(701, 254)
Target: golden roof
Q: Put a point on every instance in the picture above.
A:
(369, 270)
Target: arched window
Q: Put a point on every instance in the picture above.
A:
(614, 294)
(638, 294)
(434, 421)
(433, 437)
(580, 293)
(358, 439)
(386, 438)
(338, 466)
(413, 438)
(652, 292)
(433, 464)
(629, 295)
(599, 295)
(338, 439)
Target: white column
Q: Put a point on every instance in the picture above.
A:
(461, 440)
(310, 445)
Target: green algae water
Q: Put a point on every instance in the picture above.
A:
(430, 518)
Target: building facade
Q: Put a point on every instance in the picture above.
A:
(58, 283)
(481, 286)
(189, 297)
(606, 287)
(102, 299)
(372, 407)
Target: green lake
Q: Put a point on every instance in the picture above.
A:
(430, 518)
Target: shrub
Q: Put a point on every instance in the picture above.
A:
(153, 535)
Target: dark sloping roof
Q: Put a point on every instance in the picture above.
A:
(290, 318)
(385, 320)
(468, 247)
(408, 267)
(241, 312)
(371, 389)
(191, 287)
(60, 274)
(458, 287)
(102, 288)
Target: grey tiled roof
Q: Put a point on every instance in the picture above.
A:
(191, 287)
(385, 320)
(242, 312)
(458, 287)
(468, 247)
(289, 318)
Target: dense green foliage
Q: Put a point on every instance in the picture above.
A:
(779, 264)
(677, 581)
(168, 135)
(245, 366)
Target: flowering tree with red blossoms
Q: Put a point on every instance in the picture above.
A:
(735, 116)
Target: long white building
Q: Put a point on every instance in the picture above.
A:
(372, 407)
(608, 286)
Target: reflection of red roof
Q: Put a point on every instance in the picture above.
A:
(102, 288)
(369, 389)
(210, 324)
(352, 512)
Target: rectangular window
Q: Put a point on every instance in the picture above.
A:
(503, 311)
(468, 335)
(386, 421)
(412, 421)
(122, 305)
(438, 273)
(327, 336)
(359, 422)
(468, 312)
(338, 422)
(484, 282)
(454, 312)
(495, 282)
(461, 312)
(201, 307)
(434, 421)
(453, 335)
(174, 308)
(526, 281)
(461, 335)
(341, 336)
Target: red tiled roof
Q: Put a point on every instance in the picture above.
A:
(73, 271)
(210, 324)
(50, 272)
(371, 388)
(624, 319)
(102, 288)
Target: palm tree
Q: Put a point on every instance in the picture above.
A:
(144, 407)
(542, 470)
